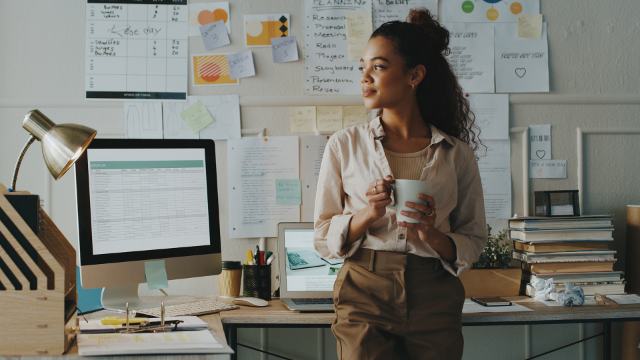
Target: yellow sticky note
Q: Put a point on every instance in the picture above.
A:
(359, 29)
(329, 118)
(196, 116)
(530, 26)
(302, 119)
(352, 115)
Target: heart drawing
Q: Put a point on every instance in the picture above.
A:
(540, 154)
(521, 72)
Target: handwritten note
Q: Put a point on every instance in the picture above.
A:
(353, 115)
(328, 71)
(302, 119)
(150, 38)
(522, 65)
(358, 32)
(329, 118)
(241, 64)
(540, 142)
(288, 191)
(385, 10)
(284, 49)
(472, 56)
(196, 116)
(530, 26)
(214, 35)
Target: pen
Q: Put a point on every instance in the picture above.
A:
(257, 256)
(114, 320)
(270, 259)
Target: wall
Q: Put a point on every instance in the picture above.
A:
(595, 75)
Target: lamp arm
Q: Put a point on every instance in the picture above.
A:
(19, 162)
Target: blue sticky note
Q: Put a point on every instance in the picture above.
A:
(156, 274)
(214, 35)
(89, 299)
(288, 192)
(284, 49)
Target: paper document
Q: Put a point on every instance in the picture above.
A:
(254, 164)
(492, 115)
(548, 169)
(472, 56)
(214, 35)
(495, 173)
(540, 142)
(358, 32)
(473, 307)
(311, 151)
(384, 11)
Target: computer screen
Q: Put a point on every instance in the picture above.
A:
(141, 200)
(306, 270)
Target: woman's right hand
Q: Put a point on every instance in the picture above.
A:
(379, 197)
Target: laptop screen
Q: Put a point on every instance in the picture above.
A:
(305, 269)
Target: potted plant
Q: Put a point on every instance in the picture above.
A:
(492, 274)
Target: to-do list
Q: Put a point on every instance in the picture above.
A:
(137, 49)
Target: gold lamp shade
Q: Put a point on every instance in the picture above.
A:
(62, 144)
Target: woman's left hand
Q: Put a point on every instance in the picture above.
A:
(424, 214)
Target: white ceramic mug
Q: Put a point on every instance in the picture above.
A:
(408, 190)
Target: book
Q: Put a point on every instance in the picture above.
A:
(610, 276)
(562, 267)
(561, 222)
(601, 234)
(560, 246)
(567, 256)
(589, 290)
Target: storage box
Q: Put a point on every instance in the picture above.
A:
(491, 282)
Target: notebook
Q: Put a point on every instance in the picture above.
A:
(306, 278)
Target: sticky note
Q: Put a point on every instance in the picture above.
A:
(329, 118)
(284, 49)
(196, 117)
(302, 119)
(288, 192)
(155, 272)
(352, 115)
(241, 64)
(359, 29)
(214, 35)
(530, 26)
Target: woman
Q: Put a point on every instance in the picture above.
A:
(398, 296)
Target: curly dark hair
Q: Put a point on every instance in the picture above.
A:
(422, 40)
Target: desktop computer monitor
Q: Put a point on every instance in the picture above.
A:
(141, 200)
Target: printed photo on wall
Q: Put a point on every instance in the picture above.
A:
(212, 70)
(260, 29)
(201, 14)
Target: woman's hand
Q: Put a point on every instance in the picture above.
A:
(379, 197)
(425, 229)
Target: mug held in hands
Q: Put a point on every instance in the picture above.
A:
(408, 190)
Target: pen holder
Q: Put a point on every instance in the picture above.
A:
(256, 281)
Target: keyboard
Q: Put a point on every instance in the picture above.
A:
(199, 307)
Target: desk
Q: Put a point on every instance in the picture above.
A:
(277, 315)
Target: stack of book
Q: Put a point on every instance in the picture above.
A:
(572, 249)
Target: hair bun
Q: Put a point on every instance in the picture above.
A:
(438, 35)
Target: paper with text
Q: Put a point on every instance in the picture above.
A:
(302, 119)
(254, 164)
(540, 142)
(143, 120)
(214, 35)
(241, 64)
(288, 192)
(522, 65)
(311, 151)
(472, 56)
(384, 10)
(492, 115)
(358, 31)
(328, 71)
(495, 173)
(548, 169)
(284, 49)
(328, 118)
(353, 115)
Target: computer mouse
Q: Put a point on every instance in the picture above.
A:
(250, 301)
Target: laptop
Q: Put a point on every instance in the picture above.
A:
(306, 278)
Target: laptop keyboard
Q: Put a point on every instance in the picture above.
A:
(312, 301)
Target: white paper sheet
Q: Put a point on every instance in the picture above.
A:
(328, 71)
(384, 10)
(136, 51)
(522, 65)
(472, 307)
(548, 169)
(311, 151)
(495, 172)
(284, 49)
(492, 115)
(143, 120)
(472, 56)
(254, 165)
(225, 109)
(214, 35)
(487, 11)
(540, 142)
(241, 64)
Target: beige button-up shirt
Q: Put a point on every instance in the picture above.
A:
(354, 158)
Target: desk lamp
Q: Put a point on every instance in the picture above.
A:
(62, 144)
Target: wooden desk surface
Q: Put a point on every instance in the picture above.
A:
(276, 314)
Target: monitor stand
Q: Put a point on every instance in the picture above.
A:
(116, 298)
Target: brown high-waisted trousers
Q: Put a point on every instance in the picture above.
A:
(397, 306)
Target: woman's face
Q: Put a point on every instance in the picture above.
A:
(385, 81)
